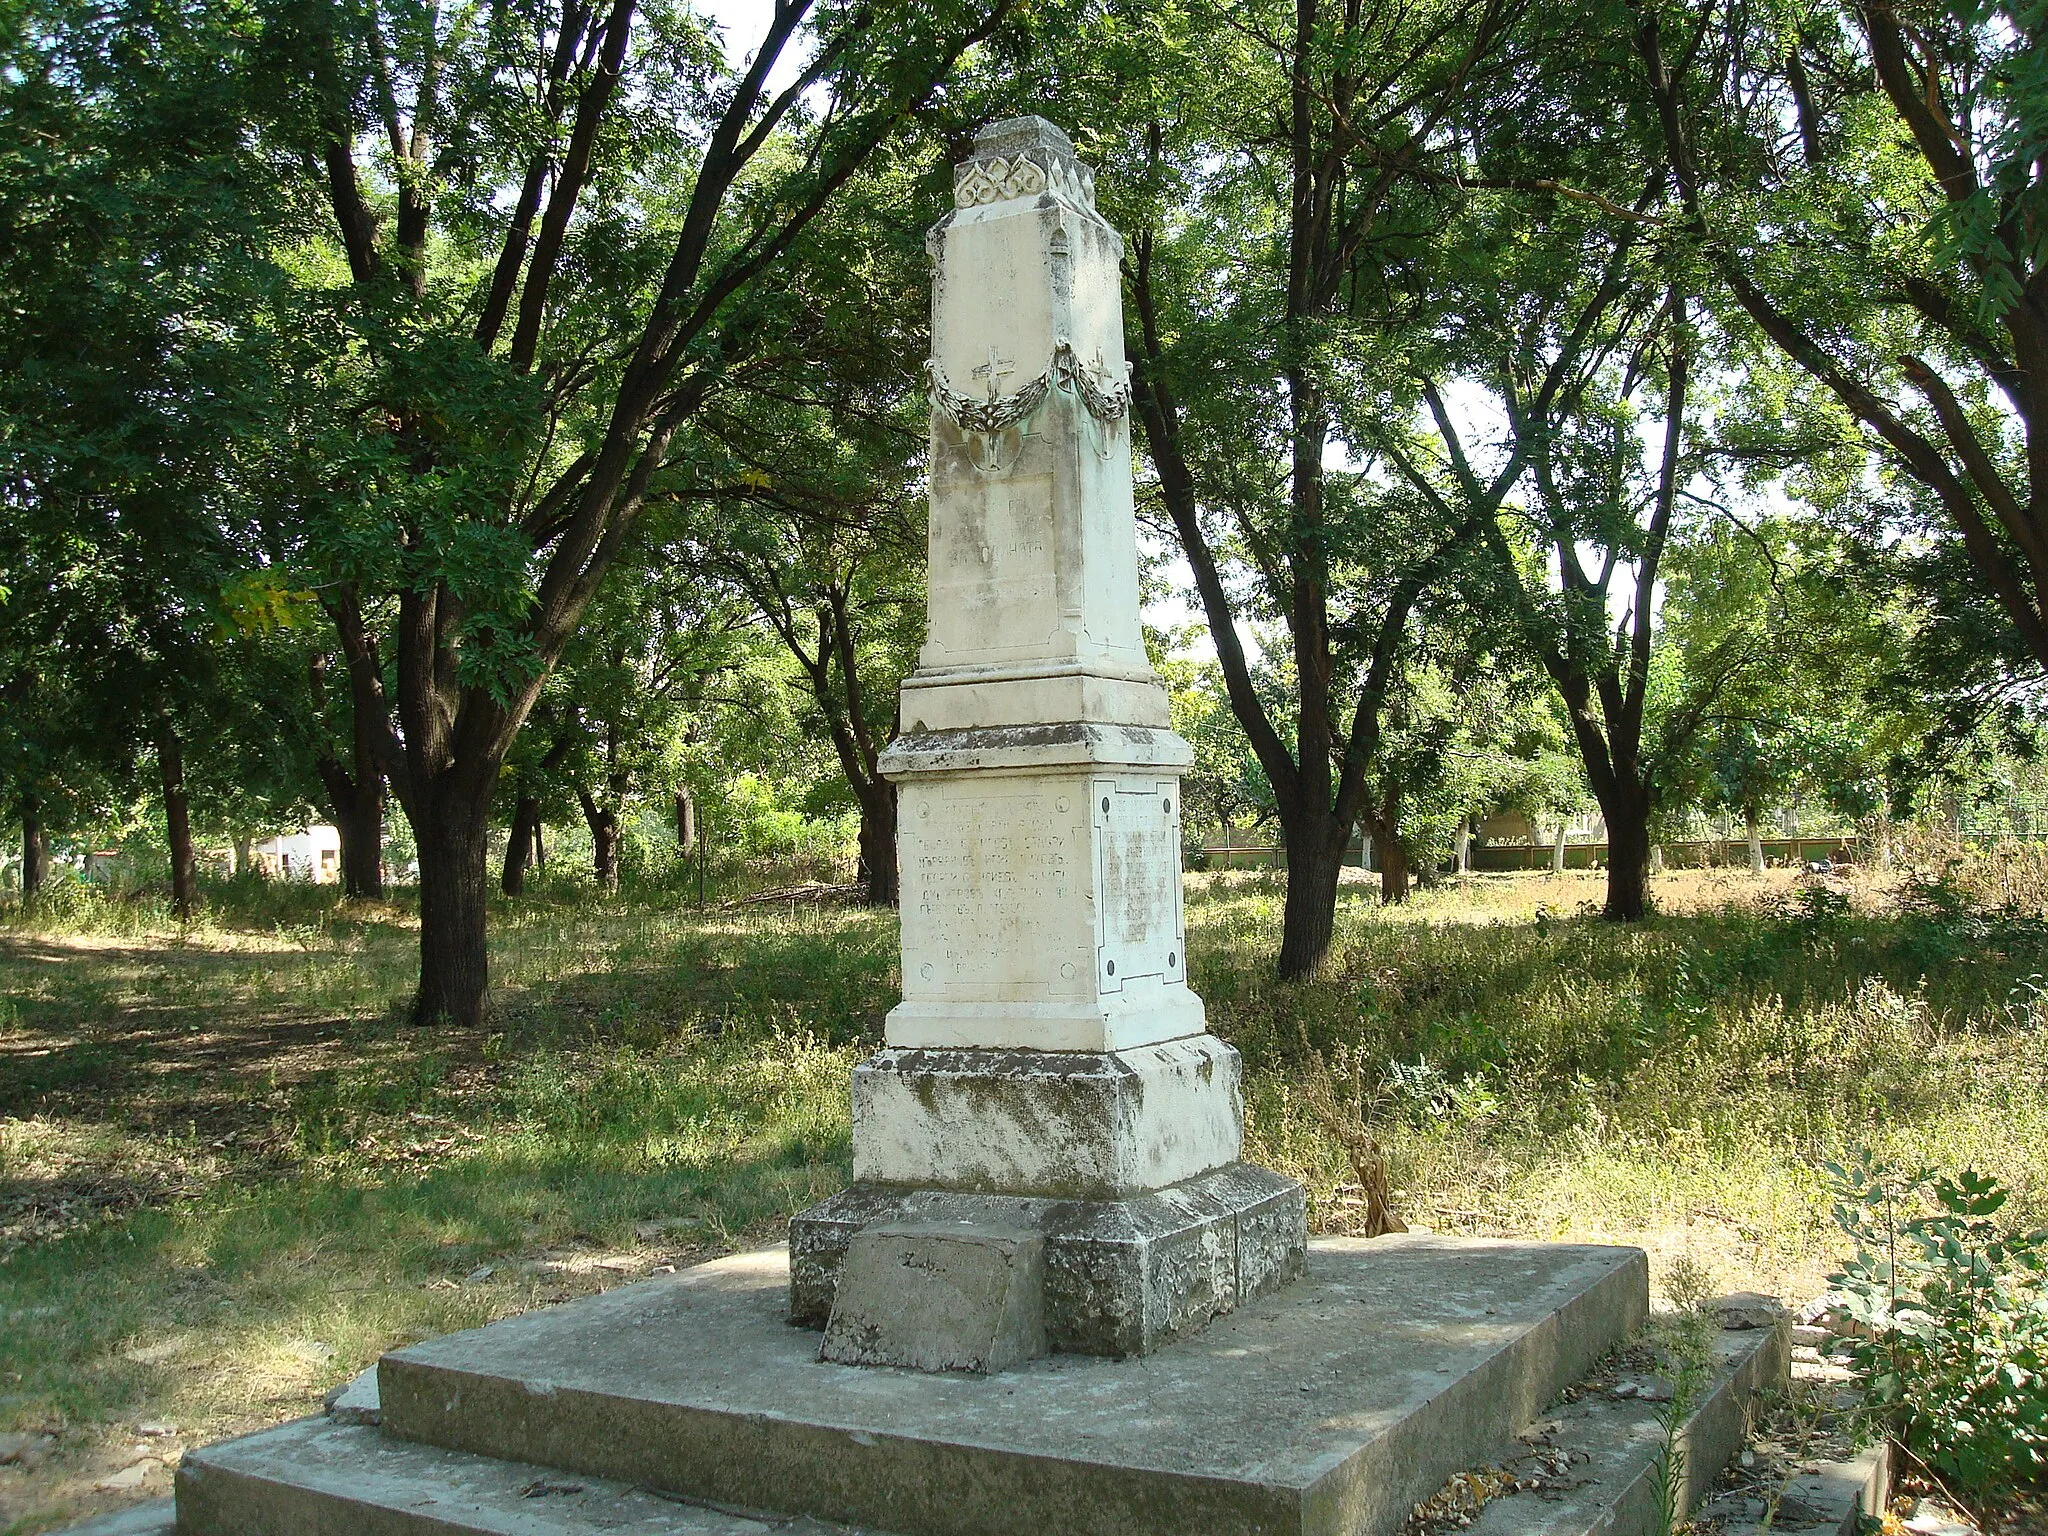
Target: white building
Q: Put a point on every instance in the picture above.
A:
(314, 854)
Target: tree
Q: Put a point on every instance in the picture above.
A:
(631, 688)
(821, 528)
(1841, 713)
(512, 378)
(1311, 126)
(1865, 182)
(129, 223)
(1568, 324)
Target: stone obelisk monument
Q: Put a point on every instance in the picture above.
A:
(1046, 1153)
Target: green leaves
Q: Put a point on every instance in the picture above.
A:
(262, 600)
(1952, 1309)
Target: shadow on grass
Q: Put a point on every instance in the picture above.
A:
(351, 1259)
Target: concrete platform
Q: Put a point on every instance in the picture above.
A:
(1330, 1407)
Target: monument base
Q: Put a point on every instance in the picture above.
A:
(1328, 1408)
(1072, 1125)
(1121, 1277)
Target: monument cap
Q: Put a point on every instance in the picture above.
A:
(1013, 134)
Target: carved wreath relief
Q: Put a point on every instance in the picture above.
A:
(995, 179)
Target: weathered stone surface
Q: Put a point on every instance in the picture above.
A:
(1077, 1125)
(1326, 1408)
(1121, 1276)
(1047, 1047)
(1748, 1309)
(939, 1298)
(1041, 909)
(318, 1478)
(1034, 570)
(1038, 821)
(1125, 1276)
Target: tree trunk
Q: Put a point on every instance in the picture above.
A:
(540, 845)
(604, 840)
(170, 760)
(356, 802)
(686, 822)
(1394, 870)
(1756, 843)
(454, 966)
(362, 844)
(1628, 858)
(245, 854)
(1464, 848)
(519, 846)
(1315, 859)
(355, 791)
(35, 848)
(878, 843)
(1557, 853)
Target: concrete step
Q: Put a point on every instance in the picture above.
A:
(316, 1477)
(1830, 1498)
(1326, 1409)
(1600, 1458)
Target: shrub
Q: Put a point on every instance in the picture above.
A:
(1952, 1308)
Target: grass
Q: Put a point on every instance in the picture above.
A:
(230, 1175)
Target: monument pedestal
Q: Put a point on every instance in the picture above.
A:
(1049, 1103)
(1327, 1408)
(1120, 1277)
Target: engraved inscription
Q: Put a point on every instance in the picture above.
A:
(992, 887)
(994, 568)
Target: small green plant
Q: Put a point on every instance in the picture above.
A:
(1952, 1314)
(1686, 1341)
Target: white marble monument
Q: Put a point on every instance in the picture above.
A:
(1046, 1148)
(1048, 1047)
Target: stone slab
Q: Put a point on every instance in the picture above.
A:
(1614, 1487)
(1042, 911)
(971, 698)
(1328, 1407)
(1076, 1125)
(939, 1298)
(318, 1478)
(1121, 1276)
(1023, 748)
(355, 1402)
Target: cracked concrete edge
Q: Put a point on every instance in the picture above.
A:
(356, 1402)
(1841, 1491)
